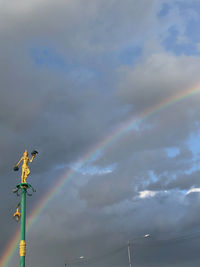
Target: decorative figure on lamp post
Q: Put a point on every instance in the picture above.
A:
(25, 167)
(23, 188)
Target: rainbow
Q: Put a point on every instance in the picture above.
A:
(105, 143)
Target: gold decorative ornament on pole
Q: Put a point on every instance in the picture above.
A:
(23, 187)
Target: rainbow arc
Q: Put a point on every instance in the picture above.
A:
(104, 144)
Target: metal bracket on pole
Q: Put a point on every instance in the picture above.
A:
(23, 185)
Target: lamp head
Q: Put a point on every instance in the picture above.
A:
(17, 215)
(147, 235)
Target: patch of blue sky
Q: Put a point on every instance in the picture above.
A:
(184, 191)
(180, 44)
(50, 58)
(172, 152)
(47, 57)
(188, 40)
(88, 169)
(187, 7)
(130, 55)
(164, 10)
(97, 155)
(192, 33)
(60, 166)
(82, 74)
(194, 168)
(133, 127)
(194, 144)
(153, 176)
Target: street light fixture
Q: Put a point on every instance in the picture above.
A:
(81, 257)
(129, 245)
(75, 261)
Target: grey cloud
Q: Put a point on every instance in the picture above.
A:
(159, 77)
(64, 113)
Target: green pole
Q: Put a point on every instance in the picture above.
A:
(23, 186)
(23, 225)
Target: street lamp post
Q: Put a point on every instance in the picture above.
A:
(129, 253)
(77, 260)
(23, 188)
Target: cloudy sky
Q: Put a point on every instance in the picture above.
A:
(78, 79)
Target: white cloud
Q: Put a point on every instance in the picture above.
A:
(147, 193)
(193, 190)
(151, 193)
(87, 169)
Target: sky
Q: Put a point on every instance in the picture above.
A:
(102, 89)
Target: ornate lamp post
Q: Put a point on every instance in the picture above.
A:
(23, 188)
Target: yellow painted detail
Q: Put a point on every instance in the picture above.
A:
(25, 168)
(17, 215)
(22, 248)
